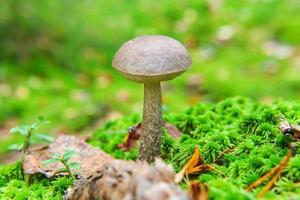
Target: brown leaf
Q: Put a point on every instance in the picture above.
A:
(88, 157)
(172, 130)
(134, 134)
(194, 165)
(198, 191)
(131, 138)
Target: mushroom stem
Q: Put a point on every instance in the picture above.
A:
(152, 122)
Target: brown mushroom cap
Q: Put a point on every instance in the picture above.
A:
(152, 58)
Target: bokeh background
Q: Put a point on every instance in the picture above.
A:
(55, 57)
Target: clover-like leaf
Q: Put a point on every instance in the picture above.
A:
(43, 138)
(57, 156)
(40, 121)
(17, 147)
(61, 170)
(68, 155)
(22, 130)
(50, 161)
(74, 165)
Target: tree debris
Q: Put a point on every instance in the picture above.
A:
(130, 180)
(102, 177)
(88, 157)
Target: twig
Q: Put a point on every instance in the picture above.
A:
(222, 154)
(282, 165)
(262, 179)
(275, 172)
(271, 183)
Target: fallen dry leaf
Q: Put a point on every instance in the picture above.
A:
(134, 134)
(194, 165)
(198, 191)
(88, 157)
(131, 138)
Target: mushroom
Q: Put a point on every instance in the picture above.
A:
(151, 60)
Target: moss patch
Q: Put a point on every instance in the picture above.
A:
(13, 186)
(249, 129)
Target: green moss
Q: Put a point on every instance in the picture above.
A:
(245, 126)
(10, 172)
(44, 189)
(12, 185)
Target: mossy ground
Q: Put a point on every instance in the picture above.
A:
(13, 186)
(247, 127)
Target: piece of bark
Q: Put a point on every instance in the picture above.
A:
(102, 177)
(88, 157)
(129, 180)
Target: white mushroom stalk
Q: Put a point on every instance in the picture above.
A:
(151, 60)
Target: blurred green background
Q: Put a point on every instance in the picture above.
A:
(55, 56)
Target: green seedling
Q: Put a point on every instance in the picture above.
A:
(30, 136)
(64, 160)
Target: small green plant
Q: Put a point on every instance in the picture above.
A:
(29, 135)
(64, 159)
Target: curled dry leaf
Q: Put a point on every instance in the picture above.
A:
(88, 157)
(198, 191)
(195, 165)
(134, 134)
